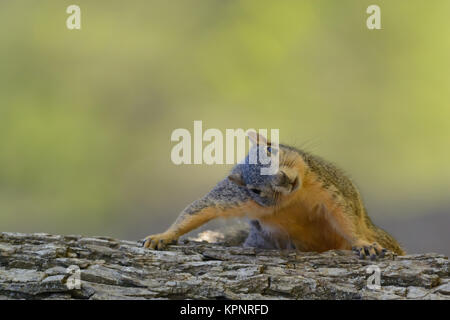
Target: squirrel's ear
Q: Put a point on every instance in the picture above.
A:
(237, 179)
(256, 138)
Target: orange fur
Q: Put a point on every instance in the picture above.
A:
(325, 212)
(312, 220)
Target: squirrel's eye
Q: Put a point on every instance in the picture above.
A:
(257, 191)
(270, 150)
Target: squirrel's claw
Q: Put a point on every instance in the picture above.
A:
(373, 251)
(158, 241)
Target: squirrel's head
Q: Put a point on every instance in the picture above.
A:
(268, 189)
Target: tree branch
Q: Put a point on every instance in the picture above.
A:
(35, 266)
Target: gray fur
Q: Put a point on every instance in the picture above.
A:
(228, 194)
(260, 237)
(253, 179)
(225, 194)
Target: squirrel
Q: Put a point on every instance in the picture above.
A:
(308, 204)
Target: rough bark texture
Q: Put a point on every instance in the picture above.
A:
(34, 266)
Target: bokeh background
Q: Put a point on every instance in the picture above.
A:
(86, 116)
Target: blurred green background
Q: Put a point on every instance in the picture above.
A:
(86, 116)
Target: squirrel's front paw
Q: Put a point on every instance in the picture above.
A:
(159, 241)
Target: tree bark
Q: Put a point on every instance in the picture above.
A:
(43, 266)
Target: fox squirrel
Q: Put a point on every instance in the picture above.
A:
(308, 204)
